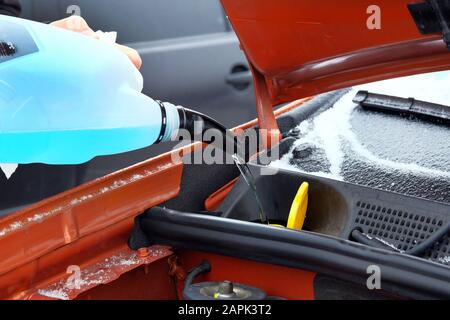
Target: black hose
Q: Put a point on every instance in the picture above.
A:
(417, 250)
(431, 240)
(203, 267)
(197, 123)
(363, 238)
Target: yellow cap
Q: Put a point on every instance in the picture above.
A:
(298, 209)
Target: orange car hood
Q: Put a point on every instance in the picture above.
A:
(303, 47)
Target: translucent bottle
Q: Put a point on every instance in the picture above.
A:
(66, 98)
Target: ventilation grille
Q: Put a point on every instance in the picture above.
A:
(403, 229)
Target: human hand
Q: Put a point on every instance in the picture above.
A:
(78, 24)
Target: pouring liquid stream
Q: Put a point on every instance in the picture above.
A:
(250, 180)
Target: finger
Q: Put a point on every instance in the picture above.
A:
(78, 24)
(73, 23)
(132, 54)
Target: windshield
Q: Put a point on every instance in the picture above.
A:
(385, 151)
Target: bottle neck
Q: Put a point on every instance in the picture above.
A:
(178, 118)
(170, 123)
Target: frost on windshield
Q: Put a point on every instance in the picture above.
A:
(375, 149)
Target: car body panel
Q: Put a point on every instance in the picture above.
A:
(303, 48)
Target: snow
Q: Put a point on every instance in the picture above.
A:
(332, 130)
(86, 197)
(388, 244)
(54, 294)
(431, 87)
(100, 273)
(444, 259)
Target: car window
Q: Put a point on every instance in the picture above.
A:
(148, 19)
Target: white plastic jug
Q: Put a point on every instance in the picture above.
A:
(66, 98)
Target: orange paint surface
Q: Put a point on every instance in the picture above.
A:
(215, 200)
(302, 48)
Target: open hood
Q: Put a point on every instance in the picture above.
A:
(298, 48)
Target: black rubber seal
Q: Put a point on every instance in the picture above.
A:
(182, 116)
(402, 275)
(163, 122)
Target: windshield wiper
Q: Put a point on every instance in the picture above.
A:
(407, 106)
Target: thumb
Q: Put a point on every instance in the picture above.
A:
(73, 23)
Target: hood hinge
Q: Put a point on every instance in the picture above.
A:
(269, 131)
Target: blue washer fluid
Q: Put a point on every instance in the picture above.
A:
(66, 98)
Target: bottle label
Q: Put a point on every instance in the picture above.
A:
(15, 41)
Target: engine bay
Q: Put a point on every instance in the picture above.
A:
(370, 190)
